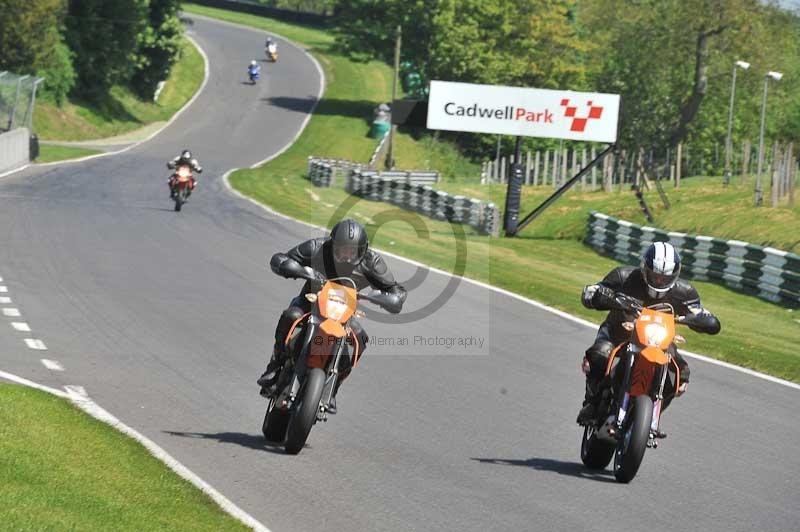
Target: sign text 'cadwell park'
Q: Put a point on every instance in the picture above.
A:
(559, 114)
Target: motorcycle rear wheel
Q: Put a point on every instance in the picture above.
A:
(304, 413)
(595, 453)
(631, 447)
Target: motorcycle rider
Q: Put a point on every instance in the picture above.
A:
(270, 43)
(185, 158)
(655, 281)
(253, 69)
(345, 253)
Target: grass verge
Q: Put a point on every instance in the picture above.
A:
(121, 111)
(63, 470)
(548, 263)
(49, 153)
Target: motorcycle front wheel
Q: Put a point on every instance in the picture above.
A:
(304, 412)
(180, 199)
(595, 453)
(630, 448)
(275, 423)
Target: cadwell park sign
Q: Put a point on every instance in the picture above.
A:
(561, 114)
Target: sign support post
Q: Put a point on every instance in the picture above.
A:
(513, 192)
(557, 194)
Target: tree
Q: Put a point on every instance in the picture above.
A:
(663, 56)
(158, 46)
(31, 43)
(103, 37)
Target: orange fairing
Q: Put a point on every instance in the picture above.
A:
(654, 355)
(332, 328)
(337, 302)
(655, 329)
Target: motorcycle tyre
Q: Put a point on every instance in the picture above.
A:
(275, 423)
(596, 453)
(627, 462)
(304, 414)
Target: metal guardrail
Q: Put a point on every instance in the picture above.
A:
(484, 216)
(768, 273)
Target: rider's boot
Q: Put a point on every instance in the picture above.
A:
(590, 401)
(269, 378)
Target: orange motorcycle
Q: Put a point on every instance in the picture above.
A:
(319, 344)
(181, 184)
(633, 395)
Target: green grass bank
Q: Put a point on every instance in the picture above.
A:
(121, 111)
(547, 262)
(64, 470)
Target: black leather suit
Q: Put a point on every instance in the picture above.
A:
(317, 254)
(630, 281)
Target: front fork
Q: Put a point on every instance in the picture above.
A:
(624, 402)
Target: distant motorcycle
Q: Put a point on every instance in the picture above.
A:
(254, 73)
(272, 52)
(181, 184)
(630, 410)
(318, 347)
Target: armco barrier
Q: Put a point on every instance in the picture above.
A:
(482, 215)
(765, 272)
(14, 148)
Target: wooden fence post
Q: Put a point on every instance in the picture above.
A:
(536, 169)
(678, 162)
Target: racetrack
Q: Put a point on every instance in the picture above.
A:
(165, 319)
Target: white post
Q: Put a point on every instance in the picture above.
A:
(536, 169)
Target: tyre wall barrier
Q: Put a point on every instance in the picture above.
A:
(768, 273)
(15, 148)
(404, 191)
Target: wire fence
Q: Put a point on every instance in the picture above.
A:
(17, 95)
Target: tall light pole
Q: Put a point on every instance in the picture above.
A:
(744, 65)
(759, 192)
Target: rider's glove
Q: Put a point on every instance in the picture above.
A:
(318, 282)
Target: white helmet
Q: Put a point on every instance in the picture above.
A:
(253, 62)
(661, 265)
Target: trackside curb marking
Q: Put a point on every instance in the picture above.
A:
(52, 364)
(78, 396)
(518, 297)
(85, 403)
(30, 384)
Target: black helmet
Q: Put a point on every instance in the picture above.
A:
(186, 154)
(348, 242)
(661, 266)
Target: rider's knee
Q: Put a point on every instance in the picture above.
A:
(597, 355)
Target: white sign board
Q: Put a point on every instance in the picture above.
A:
(587, 116)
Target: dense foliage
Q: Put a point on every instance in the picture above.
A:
(671, 60)
(84, 47)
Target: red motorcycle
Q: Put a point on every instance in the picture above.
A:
(181, 184)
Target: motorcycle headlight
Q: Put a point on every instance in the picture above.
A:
(337, 305)
(654, 334)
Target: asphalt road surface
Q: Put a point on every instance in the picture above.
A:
(165, 319)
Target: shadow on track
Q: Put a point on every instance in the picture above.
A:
(251, 441)
(328, 106)
(571, 469)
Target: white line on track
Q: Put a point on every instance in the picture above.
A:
(4, 299)
(52, 365)
(81, 399)
(11, 312)
(3, 289)
(21, 326)
(34, 343)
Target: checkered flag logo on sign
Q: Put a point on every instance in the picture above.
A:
(579, 123)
